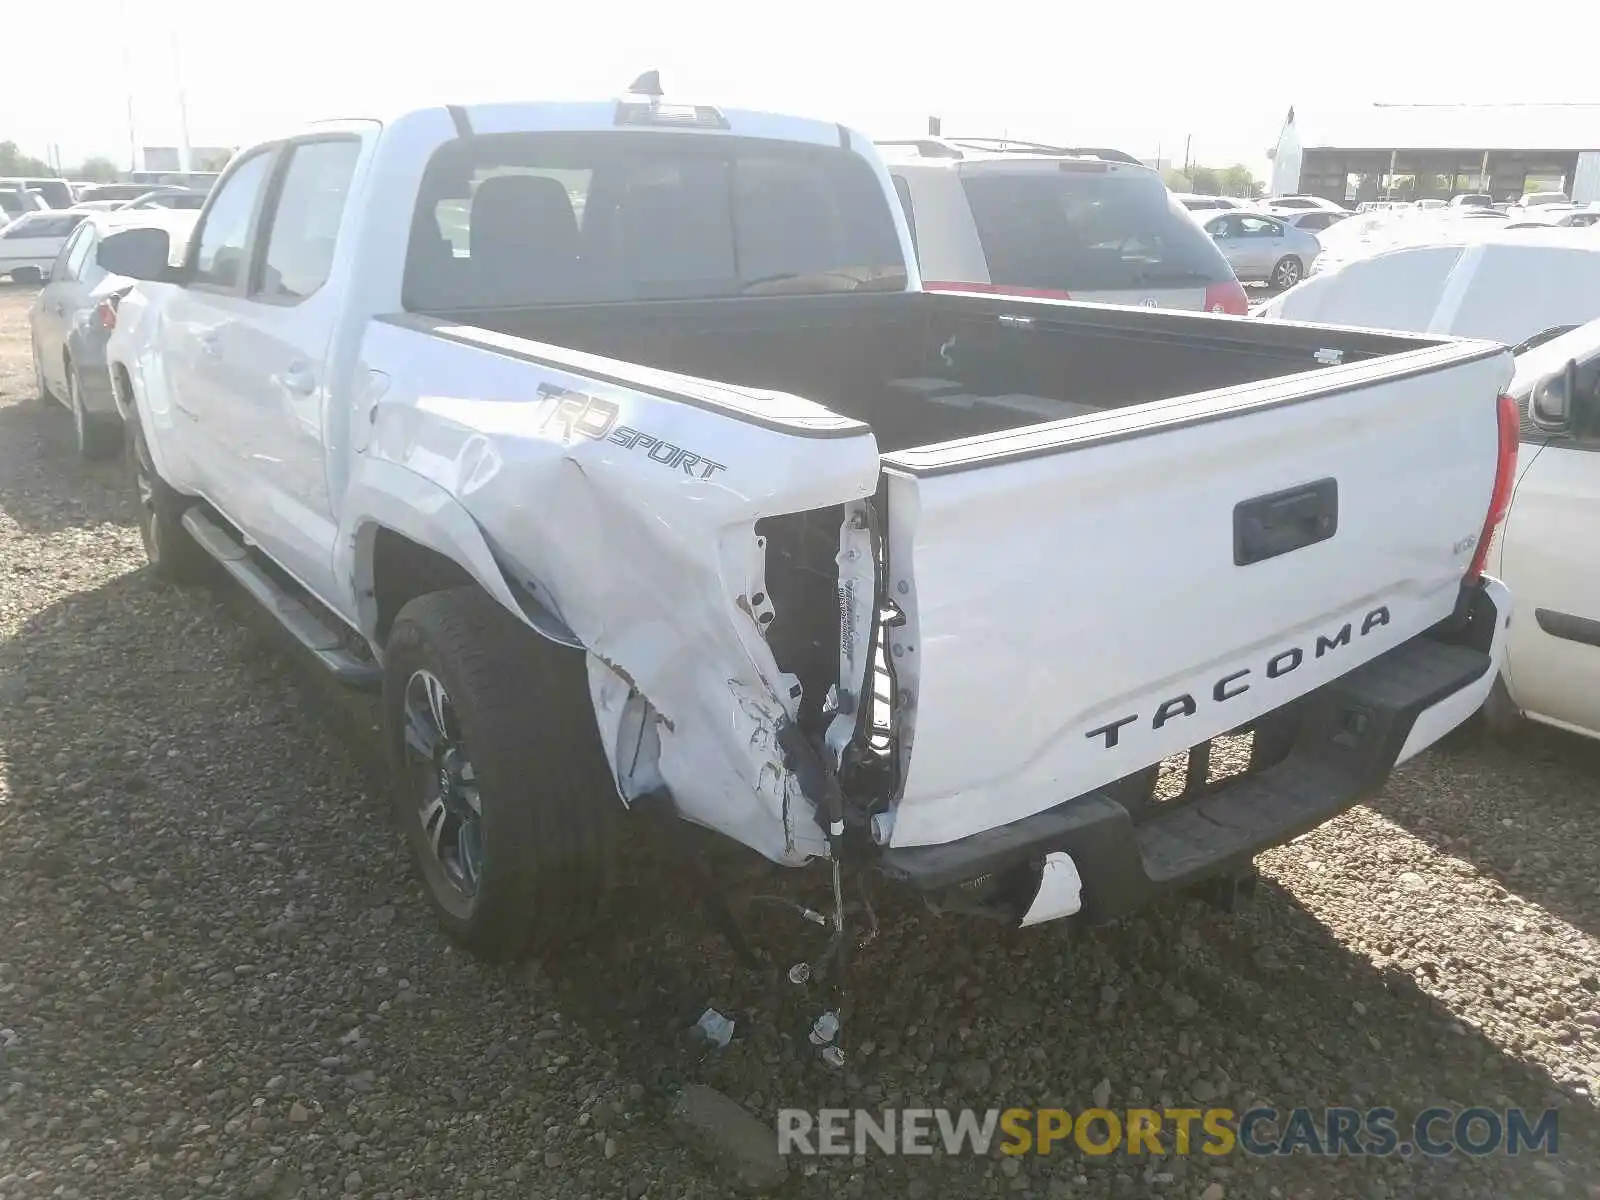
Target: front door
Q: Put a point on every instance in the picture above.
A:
(202, 317)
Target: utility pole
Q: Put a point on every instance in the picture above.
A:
(1187, 138)
(127, 78)
(184, 163)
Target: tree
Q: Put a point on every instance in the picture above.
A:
(1206, 181)
(1176, 180)
(1237, 181)
(97, 168)
(14, 162)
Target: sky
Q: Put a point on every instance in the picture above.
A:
(1139, 76)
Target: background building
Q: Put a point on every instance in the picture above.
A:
(1417, 151)
(201, 158)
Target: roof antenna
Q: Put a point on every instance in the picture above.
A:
(648, 84)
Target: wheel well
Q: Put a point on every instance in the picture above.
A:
(402, 570)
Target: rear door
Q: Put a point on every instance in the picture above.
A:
(1085, 598)
(1259, 244)
(1091, 230)
(271, 410)
(59, 303)
(1547, 550)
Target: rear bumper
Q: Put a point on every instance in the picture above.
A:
(1355, 730)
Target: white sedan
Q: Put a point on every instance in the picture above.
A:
(29, 245)
(1519, 287)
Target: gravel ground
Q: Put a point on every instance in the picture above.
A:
(219, 980)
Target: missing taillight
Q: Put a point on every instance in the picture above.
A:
(1505, 478)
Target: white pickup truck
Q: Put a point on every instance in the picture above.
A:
(618, 443)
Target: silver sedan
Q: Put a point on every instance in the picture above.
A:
(1261, 247)
(74, 315)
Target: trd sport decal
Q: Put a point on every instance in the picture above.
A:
(575, 414)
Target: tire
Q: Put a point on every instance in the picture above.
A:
(98, 437)
(173, 554)
(41, 390)
(516, 789)
(1287, 272)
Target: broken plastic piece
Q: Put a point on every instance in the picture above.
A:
(714, 1028)
(825, 1028)
(800, 972)
(833, 1057)
(1060, 890)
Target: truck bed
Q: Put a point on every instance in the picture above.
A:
(1110, 534)
(923, 369)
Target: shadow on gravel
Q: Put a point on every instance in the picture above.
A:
(1524, 809)
(194, 805)
(38, 440)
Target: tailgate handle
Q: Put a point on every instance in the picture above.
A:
(1266, 526)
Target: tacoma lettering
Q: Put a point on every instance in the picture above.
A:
(1235, 684)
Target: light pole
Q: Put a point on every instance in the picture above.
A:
(127, 77)
(184, 163)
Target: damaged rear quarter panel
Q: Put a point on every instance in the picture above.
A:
(633, 514)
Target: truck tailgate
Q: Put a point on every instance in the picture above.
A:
(1085, 598)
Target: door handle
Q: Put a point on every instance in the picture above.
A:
(297, 379)
(210, 345)
(61, 310)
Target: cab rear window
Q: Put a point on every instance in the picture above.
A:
(523, 219)
(1086, 231)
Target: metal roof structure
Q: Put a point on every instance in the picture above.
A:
(1564, 127)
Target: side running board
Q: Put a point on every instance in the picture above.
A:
(316, 633)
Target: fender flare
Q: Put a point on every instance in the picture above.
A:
(384, 495)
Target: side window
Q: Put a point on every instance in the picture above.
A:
(81, 261)
(1224, 227)
(69, 263)
(304, 220)
(1260, 227)
(220, 245)
(903, 190)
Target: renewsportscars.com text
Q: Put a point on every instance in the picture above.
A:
(1433, 1132)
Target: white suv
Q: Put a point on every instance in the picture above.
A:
(1048, 222)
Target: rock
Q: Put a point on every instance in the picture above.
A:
(299, 1113)
(1102, 1093)
(1213, 1192)
(973, 1074)
(1412, 882)
(718, 1129)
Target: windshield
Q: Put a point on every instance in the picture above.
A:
(1062, 230)
(526, 219)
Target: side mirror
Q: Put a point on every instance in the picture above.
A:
(1550, 406)
(137, 254)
